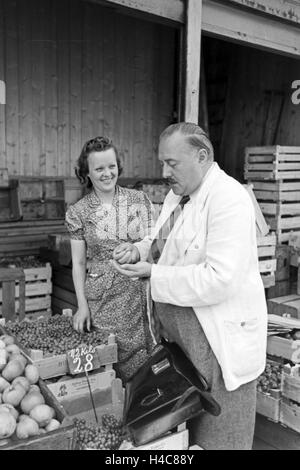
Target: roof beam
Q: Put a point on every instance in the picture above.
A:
(171, 11)
(228, 22)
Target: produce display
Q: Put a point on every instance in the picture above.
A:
(54, 335)
(24, 262)
(270, 378)
(23, 411)
(108, 436)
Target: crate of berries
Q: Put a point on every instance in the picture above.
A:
(47, 340)
(269, 391)
(99, 427)
(38, 283)
(30, 416)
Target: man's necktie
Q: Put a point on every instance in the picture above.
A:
(156, 251)
(159, 242)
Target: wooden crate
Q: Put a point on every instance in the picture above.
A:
(107, 400)
(284, 348)
(290, 414)
(10, 207)
(290, 385)
(266, 246)
(69, 388)
(268, 406)
(286, 305)
(38, 289)
(63, 438)
(272, 163)
(55, 366)
(277, 191)
(42, 198)
(280, 289)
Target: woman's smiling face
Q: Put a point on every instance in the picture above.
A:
(103, 170)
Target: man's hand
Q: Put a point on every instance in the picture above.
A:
(141, 269)
(82, 317)
(126, 253)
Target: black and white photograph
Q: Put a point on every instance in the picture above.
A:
(149, 228)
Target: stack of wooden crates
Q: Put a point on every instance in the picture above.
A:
(274, 173)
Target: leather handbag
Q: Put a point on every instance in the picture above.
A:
(166, 391)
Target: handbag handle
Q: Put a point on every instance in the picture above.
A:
(184, 397)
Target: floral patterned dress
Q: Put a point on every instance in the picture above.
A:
(116, 302)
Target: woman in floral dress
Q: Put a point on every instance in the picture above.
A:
(97, 224)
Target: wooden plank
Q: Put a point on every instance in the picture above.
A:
(268, 406)
(12, 88)
(290, 415)
(267, 265)
(64, 295)
(171, 10)
(193, 59)
(276, 186)
(2, 78)
(25, 31)
(39, 16)
(290, 387)
(75, 79)
(224, 21)
(33, 289)
(59, 305)
(261, 224)
(282, 196)
(8, 309)
(266, 251)
(266, 240)
(50, 86)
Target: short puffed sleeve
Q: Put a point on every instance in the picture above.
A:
(74, 224)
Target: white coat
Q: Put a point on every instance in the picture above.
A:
(210, 263)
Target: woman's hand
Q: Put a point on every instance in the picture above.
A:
(141, 269)
(82, 317)
(126, 253)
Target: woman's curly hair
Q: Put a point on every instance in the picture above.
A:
(98, 144)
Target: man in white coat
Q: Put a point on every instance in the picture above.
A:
(206, 286)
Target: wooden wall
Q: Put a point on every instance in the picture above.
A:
(74, 70)
(249, 93)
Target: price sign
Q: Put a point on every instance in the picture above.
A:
(82, 359)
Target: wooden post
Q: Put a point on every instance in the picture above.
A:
(192, 60)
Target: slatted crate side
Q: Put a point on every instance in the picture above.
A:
(33, 304)
(289, 305)
(267, 265)
(279, 209)
(55, 366)
(277, 196)
(74, 387)
(290, 414)
(38, 274)
(268, 406)
(284, 348)
(272, 163)
(290, 387)
(33, 289)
